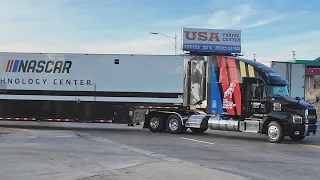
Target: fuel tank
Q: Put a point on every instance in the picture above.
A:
(223, 124)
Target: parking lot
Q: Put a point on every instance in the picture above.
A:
(109, 151)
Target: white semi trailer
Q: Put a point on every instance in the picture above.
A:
(87, 87)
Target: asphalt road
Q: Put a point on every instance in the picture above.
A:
(248, 155)
(244, 154)
(29, 154)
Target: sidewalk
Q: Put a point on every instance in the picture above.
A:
(64, 155)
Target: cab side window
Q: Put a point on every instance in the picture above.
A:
(257, 92)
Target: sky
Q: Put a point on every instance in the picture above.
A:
(270, 29)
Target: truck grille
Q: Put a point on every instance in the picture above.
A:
(312, 116)
(312, 112)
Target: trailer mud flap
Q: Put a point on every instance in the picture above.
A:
(121, 114)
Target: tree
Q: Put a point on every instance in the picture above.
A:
(317, 59)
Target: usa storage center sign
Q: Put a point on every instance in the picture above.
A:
(211, 40)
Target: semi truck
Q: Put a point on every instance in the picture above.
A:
(166, 92)
(230, 93)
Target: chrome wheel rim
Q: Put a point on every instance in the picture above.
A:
(173, 124)
(154, 122)
(273, 132)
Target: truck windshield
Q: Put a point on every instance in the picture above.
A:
(278, 91)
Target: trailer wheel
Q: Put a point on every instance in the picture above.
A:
(174, 125)
(275, 132)
(198, 130)
(156, 124)
(297, 137)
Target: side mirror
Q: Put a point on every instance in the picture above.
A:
(298, 98)
(317, 99)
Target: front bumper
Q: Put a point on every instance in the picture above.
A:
(305, 129)
(310, 129)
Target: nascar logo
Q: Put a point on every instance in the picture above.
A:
(34, 66)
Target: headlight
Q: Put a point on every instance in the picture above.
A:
(277, 106)
(296, 119)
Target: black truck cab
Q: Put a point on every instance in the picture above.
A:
(251, 93)
(269, 98)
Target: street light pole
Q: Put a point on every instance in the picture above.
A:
(175, 44)
(175, 40)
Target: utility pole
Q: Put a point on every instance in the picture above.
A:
(175, 44)
(294, 55)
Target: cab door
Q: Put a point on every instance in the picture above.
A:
(254, 97)
(258, 99)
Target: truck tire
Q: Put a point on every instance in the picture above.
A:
(156, 124)
(174, 125)
(274, 132)
(297, 137)
(198, 130)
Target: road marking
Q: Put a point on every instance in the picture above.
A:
(197, 140)
(25, 130)
(310, 145)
